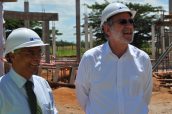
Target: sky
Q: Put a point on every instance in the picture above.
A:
(66, 12)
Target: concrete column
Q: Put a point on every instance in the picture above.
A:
(26, 10)
(54, 42)
(78, 36)
(170, 6)
(162, 37)
(91, 36)
(86, 31)
(153, 41)
(46, 40)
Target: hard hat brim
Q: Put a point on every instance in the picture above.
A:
(28, 44)
(132, 12)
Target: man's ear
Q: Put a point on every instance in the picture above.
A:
(106, 28)
(9, 57)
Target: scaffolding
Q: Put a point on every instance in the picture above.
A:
(162, 40)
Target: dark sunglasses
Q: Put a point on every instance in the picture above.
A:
(125, 21)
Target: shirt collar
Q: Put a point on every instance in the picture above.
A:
(107, 50)
(131, 50)
(18, 79)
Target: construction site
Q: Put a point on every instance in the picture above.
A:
(61, 73)
(65, 69)
(161, 50)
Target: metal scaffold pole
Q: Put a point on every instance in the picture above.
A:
(161, 57)
(78, 30)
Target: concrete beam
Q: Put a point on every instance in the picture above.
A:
(168, 16)
(36, 16)
(163, 23)
(8, 0)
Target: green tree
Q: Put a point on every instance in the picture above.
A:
(146, 15)
(143, 21)
(11, 24)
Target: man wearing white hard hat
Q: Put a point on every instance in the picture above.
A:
(21, 91)
(115, 77)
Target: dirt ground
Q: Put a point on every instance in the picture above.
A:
(66, 102)
(161, 102)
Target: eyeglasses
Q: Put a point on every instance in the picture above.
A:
(125, 21)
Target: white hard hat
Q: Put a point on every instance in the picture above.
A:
(3, 20)
(113, 9)
(20, 38)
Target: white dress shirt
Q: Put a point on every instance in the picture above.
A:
(13, 97)
(106, 84)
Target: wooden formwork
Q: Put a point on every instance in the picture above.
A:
(58, 75)
(163, 79)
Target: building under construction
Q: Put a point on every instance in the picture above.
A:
(161, 49)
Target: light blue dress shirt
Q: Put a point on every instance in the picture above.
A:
(106, 84)
(13, 98)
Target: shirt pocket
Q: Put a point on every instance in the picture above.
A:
(136, 85)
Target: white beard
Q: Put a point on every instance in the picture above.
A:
(119, 37)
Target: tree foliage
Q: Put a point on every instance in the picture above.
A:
(144, 18)
(64, 43)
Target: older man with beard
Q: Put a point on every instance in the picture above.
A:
(115, 77)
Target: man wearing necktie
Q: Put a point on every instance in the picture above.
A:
(21, 91)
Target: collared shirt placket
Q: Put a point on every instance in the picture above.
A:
(119, 86)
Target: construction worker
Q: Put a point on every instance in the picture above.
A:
(115, 77)
(21, 91)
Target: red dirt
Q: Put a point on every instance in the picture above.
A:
(66, 102)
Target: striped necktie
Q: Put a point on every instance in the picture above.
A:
(34, 107)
